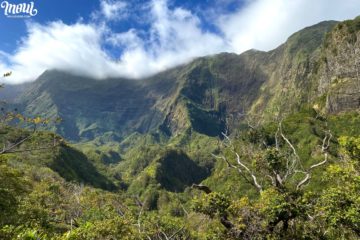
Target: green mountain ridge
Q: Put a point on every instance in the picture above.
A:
(217, 90)
(189, 107)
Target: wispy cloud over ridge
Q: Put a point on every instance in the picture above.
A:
(174, 35)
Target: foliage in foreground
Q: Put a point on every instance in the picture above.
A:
(36, 203)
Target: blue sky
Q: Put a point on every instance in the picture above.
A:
(117, 38)
(71, 11)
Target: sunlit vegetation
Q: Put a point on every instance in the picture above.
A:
(182, 164)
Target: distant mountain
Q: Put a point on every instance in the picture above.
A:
(185, 107)
(207, 95)
(11, 92)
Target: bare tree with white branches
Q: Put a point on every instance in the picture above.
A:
(278, 177)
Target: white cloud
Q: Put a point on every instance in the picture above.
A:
(174, 39)
(113, 10)
(127, 40)
(264, 24)
(175, 36)
(75, 48)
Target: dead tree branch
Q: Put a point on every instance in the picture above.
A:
(324, 150)
(240, 167)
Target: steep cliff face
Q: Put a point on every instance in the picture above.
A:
(291, 72)
(262, 83)
(90, 108)
(339, 72)
(214, 92)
